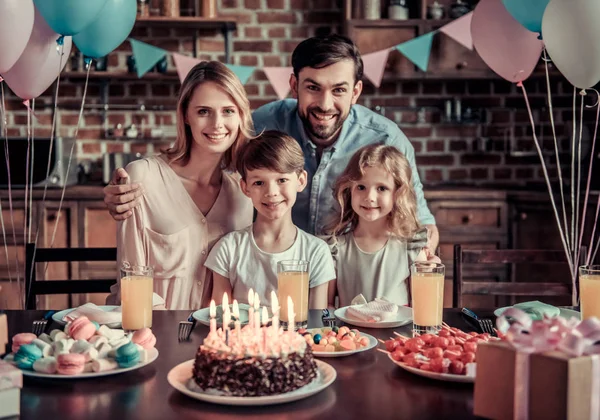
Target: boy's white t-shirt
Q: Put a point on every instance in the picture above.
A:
(237, 257)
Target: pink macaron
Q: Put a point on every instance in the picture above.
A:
(70, 363)
(144, 338)
(82, 328)
(22, 338)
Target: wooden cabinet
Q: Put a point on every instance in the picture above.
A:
(12, 251)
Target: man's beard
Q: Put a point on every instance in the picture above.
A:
(321, 132)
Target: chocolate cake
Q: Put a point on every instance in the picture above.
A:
(249, 363)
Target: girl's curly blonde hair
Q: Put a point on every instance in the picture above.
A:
(403, 221)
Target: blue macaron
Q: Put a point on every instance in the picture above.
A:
(127, 355)
(27, 355)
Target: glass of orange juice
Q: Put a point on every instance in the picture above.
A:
(292, 280)
(136, 296)
(427, 290)
(589, 291)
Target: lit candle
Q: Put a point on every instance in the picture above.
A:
(236, 315)
(291, 322)
(225, 302)
(226, 319)
(213, 319)
(251, 309)
(275, 309)
(265, 321)
(256, 311)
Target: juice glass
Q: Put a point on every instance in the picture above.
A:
(427, 289)
(292, 280)
(136, 296)
(589, 291)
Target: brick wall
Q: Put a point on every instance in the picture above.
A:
(268, 31)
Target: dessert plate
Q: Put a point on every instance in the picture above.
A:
(372, 343)
(203, 315)
(446, 377)
(152, 354)
(564, 312)
(402, 317)
(180, 376)
(58, 316)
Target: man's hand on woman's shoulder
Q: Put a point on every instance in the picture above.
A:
(120, 196)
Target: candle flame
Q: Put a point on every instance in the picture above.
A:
(265, 316)
(225, 301)
(213, 309)
(274, 301)
(236, 309)
(256, 301)
(250, 297)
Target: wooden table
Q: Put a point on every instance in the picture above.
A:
(368, 385)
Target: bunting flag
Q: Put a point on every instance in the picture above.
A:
(280, 79)
(374, 66)
(146, 56)
(242, 72)
(460, 30)
(418, 50)
(184, 64)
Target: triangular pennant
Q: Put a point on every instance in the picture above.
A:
(460, 30)
(374, 65)
(242, 72)
(280, 79)
(418, 49)
(184, 64)
(146, 56)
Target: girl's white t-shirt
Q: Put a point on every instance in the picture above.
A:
(237, 257)
(374, 274)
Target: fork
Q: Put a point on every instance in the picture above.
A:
(186, 327)
(328, 318)
(39, 325)
(484, 324)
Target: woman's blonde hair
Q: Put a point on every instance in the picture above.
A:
(402, 220)
(218, 73)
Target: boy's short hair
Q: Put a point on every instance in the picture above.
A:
(272, 150)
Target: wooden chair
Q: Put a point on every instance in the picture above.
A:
(34, 287)
(508, 288)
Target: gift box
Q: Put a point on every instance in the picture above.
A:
(11, 382)
(3, 334)
(548, 370)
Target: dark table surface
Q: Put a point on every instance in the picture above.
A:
(368, 385)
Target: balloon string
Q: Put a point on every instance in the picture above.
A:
(4, 126)
(556, 152)
(573, 141)
(26, 103)
(547, 179)
(31, 170)
(587, 189)
(60, 49)
(577, 236)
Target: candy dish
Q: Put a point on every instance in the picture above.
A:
(335, 347)
(180, 377)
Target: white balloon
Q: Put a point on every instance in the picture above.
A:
(571, 34)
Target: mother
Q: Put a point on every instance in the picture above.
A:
(191, 197)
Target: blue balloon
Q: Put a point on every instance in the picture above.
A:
(528, 13)
(112, 26)
(68, 17)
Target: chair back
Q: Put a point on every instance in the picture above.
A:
(35, 287)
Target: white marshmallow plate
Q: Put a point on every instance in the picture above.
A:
(203, 315)
(152, 356)
(58, 316)
(446, 377)
(372, 344)
(564, 312)
(402, 317)
(181, 374)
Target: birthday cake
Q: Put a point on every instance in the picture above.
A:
(252, 362)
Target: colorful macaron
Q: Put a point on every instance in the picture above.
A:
(22, 338)
(27, 355)
(82, 329)
(144, 338)
(127, 355)
(70, 363)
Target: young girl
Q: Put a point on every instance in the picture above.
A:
(375, 236)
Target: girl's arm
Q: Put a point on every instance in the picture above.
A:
(331, 293)
(221, 285)
(317, 297)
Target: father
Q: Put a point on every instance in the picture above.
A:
(325, 119)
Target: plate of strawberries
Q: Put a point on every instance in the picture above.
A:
(448, 356)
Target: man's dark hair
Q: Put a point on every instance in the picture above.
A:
(322, 51)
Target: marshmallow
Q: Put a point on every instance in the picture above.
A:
(85, 348)
(43, 346)
(103, 350)
(62, 346)
(109, 333)
(98, 340)
(102, 365)
(140, 348)
(45, 365)
(118, 342)
(58, 335)
(144, 356)
(46, 338)
(88, 367)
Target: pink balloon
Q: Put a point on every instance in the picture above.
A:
(38, 67)
(503, 43)
(16, 23)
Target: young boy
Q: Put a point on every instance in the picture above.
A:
(272, 171)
